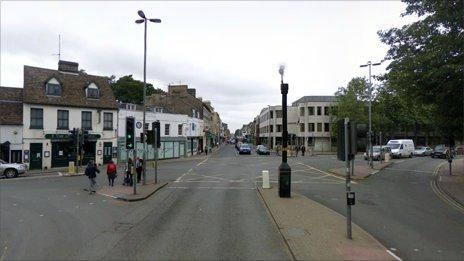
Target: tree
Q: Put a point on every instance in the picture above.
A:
(126, 89)
(352, 100)
(427, 57)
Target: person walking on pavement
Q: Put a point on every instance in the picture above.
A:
(303, 149)
(139, 168)
(111, 170)
(128, 172)
(91, 172)
(297, 149)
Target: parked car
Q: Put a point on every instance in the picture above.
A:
(423, 151)
(262, 150)
(401, 148)
(376, 155)
(12, 170)
(245, 148)
(440, 151)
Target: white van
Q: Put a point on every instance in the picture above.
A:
(401, 148)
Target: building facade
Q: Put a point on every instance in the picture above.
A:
(11, 124)
(270, 125)
(55, 102)
(180, 134)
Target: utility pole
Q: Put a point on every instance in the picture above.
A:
(155, 131)
(269, 128)
(285, 171)
(77, 150)
(370, 152)
(348, 179)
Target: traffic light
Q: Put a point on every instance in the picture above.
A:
(156, 129)
(130, 133)
(352, 139)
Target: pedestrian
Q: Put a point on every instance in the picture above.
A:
(303, 149)
(206, 151)
(139, 168)
(111, 170)
(91, 172)
(297, 148)
(128, 172)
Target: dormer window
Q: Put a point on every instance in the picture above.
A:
(92, 91)
(53, 87)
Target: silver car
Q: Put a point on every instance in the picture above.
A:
(12, 170)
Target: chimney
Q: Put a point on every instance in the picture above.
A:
(65, 66)
(192, 92)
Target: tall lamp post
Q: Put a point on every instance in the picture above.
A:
(370, 64)
(139, 21)
(269, 128)
(285, 171)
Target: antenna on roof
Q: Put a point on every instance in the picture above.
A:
(59, 48)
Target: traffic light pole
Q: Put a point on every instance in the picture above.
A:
(348, 179)
(77, 150)
(155, 131)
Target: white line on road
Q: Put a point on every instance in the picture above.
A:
(321, 171)
(202, 162)
(393, 255)
(409, 170)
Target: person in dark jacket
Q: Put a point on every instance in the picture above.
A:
(91, 172)
(139, 168)
(303, 149)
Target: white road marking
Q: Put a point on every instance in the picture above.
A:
(41, 215)
(3, 254)
(392, 249)
(104, 200)
(416, 250)
(103, 194)
(202, 162)
(64, 196)
(14, 204)
(393, 255)
(91, 203)
(201, 181)
(321, 171)
(409, 170)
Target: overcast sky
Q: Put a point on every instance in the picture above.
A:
(229, 51)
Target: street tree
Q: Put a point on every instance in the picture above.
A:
(127, 89)
(427, 61)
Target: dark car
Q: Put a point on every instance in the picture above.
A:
(262, 150)
(245, 148)
(440, 151)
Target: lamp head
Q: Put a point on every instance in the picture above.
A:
(141, 14)
(282, 70)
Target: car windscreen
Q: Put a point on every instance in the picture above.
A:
(394, 145)
(245, 146)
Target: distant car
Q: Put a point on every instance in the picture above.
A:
(376, 155)
(440, 151)
(262, 150)
(401, 148)
(423, 151)
(12, 170)
(245, 148)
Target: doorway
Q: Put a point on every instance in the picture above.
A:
(36, 156)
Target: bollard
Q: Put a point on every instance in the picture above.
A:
(71, 169)
(266, 184)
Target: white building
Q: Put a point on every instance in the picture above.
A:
(11, 124)
(55, 102)
(180, 134)
(270, 125)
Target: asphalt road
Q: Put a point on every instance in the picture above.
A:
(211, 210)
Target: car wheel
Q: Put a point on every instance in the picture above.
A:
(11, 173)
(410, 155)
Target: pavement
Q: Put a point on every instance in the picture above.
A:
(315, 232)
(361, 171)
(126, 193)
(453, 185)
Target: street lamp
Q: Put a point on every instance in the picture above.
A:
(371, 164)
(284, 169)
(269, 128)
(139, 21)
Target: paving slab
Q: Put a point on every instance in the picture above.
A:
(361, 171)
(126, 193)
(315, 232)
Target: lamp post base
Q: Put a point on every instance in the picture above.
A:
(284, 180)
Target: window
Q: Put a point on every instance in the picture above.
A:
(179, 129)
(63, 120)
(53, 87)
(92, 91)
(166, 129)
(279, 128)
(319, 127)
(36, 118)
(279, 114)
(302, 127)
(326, 127)
(301, 111)
(311, 127)
(272, 114)
(107, 121)
(319, 110)
(326, 111)
(86, 120)
(311, 110)
(272, 128)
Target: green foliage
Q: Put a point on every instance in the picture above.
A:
(126, 89)
(427, 67)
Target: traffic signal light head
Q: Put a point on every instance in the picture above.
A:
(130, 132)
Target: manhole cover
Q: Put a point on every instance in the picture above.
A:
(367, 202)
(122, 227)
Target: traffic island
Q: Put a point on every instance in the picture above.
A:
(315, 232)
(126, 193)
(361, 171)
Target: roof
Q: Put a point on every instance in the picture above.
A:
(315, 99)
(11, 106)
(73, 89)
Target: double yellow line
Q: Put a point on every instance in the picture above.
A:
(450, 201)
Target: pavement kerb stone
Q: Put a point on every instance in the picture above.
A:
(137, 197)
(436, 180)
(315, 232)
